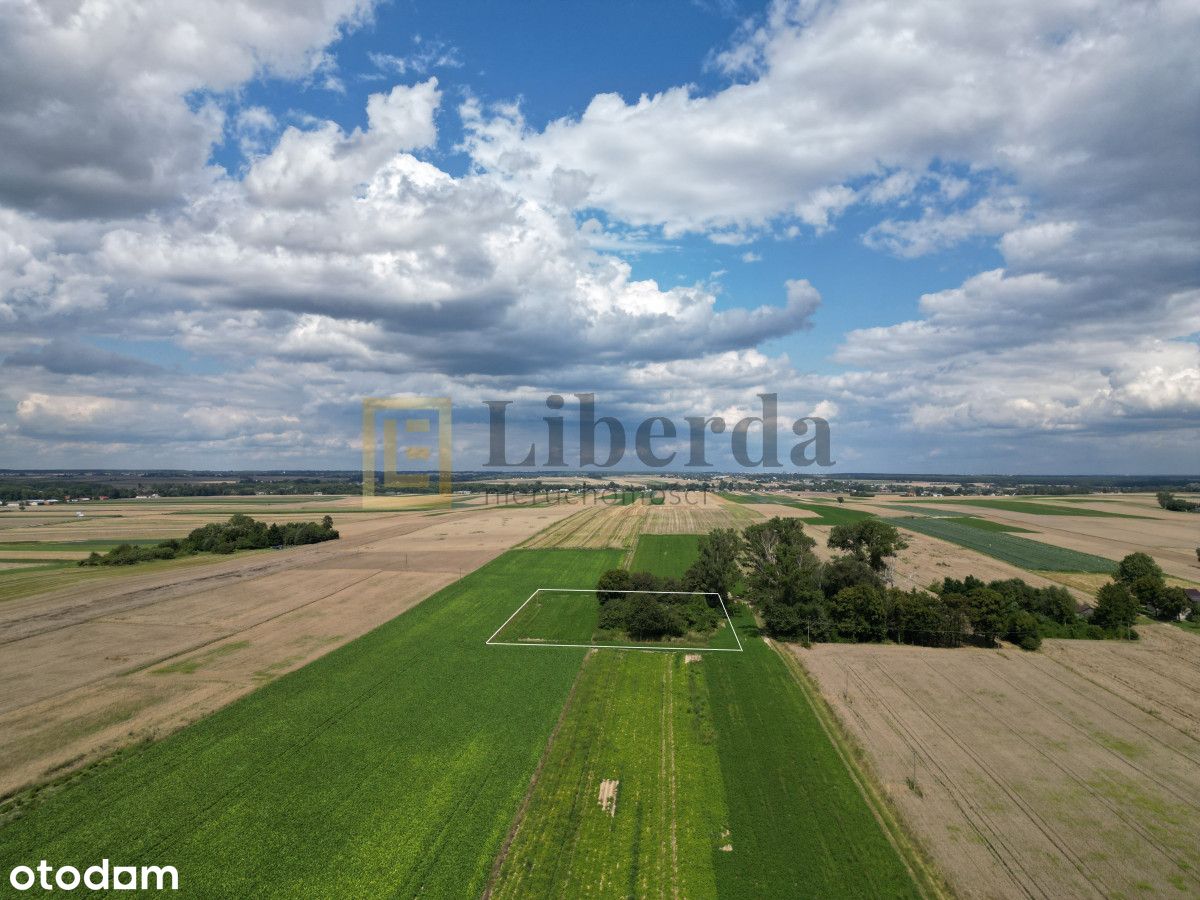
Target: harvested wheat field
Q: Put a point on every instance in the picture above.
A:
(140, 655)
(602, 525)
(1069, 772)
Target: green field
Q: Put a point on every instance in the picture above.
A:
(988, 525)
(643, 721)
(728, 786)
(393, 765)
(1037, 507)
(827, 514)
(926, 510)
(80, 546)
(799, 826)
(401, 763)
(564, 617)
(1028, 554)
(665, 554)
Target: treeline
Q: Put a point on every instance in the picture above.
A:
(13, 491)
(240, 533)
(801, 598)
(1169, 501)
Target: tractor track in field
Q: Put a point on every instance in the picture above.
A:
(981, 765)
(1083, 785)
(1136, 692)
(1195, 760)
(971, 812)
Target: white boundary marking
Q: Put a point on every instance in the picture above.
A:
(492, 642)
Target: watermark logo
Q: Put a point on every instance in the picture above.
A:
(100, 877)
(426, 423)
(408, 465)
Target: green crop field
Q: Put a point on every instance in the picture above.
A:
(554, 617)
(665, 554)
(641, 720)
(926, 510)
(799, 827)
(418, 760)
(727, 786)
(1028, 554)
(988, 525)
(393, 765)
(1038, 507)
(827, 514)
(81, 546)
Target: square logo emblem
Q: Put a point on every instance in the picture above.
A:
(414, 434)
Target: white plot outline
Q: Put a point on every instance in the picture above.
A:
(492, 642)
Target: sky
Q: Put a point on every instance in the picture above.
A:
(967, 236)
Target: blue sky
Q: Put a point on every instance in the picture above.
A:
(967, 240)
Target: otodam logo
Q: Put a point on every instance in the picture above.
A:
(100, 877)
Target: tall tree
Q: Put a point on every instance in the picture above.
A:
(1116, 608)
(716, 569)
(871, 540)
(778, 559)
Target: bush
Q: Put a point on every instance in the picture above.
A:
(240, 533)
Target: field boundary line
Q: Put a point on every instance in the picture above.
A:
(523, 808)
(926, 877)
(492, 642)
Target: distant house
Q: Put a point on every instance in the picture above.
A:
(1193, 594)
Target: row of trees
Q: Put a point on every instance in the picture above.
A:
(1169, 501)
(241, 532)
(799, 597)
(847, 599)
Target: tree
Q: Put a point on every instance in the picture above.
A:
(1147, 589)
(1116, 608)
(782, 621)
(650, 620)
(612, 585)
(859, 613)
(1169, 501)
(716, 568)
(1170, 603)
(870, 540)
(847, 571)
(1023, 630)
(988, 613)
(327, 522)
(778, 559)
(1135, 566)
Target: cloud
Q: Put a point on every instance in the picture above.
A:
(345, 262)
(857, 101)
(66, 357)
(426, 56)
(112, 109)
